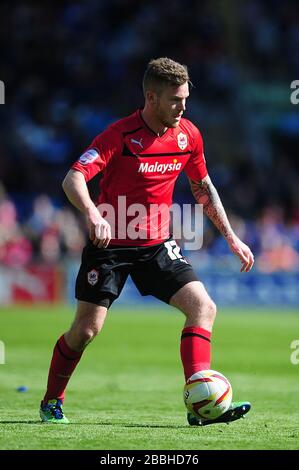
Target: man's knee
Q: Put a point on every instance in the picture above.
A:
(194, 301)
(87, 324)
(81, 334)
(210, 310)
(88, 333)
(203, 311)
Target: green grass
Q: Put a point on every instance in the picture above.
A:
(127, 390)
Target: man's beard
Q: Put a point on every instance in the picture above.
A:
(167, 122)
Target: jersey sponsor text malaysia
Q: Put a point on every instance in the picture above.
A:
(140, 169)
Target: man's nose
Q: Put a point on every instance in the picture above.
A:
(183, 105)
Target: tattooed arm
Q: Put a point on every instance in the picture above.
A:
(206, 194)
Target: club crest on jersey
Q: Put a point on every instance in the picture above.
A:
(93, 277)
(89, 156)
(182, 141)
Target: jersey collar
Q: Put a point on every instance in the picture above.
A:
(139, 113)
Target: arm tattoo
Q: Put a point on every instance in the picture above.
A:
(206, 194)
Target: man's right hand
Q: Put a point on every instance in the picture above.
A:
(99, 228)
(74, 186)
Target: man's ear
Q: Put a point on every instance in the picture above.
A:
(151, 97)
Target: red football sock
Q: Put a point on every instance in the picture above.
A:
(64, 361)
(195, 350)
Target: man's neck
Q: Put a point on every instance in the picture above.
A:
(151, 121)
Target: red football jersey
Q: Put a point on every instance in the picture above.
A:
(139, 172)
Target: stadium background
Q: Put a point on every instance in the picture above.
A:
(70, 68)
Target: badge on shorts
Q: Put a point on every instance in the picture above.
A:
(93, 277)
(182, 141)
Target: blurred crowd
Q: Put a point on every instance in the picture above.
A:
(53, 234)
(71, 68)
(48, 233)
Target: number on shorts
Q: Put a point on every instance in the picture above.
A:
(173, 250)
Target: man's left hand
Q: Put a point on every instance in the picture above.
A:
(242, 251)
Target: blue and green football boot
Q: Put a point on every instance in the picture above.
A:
(236, 411)
(52, 412)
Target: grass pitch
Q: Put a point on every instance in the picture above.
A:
(127, 391)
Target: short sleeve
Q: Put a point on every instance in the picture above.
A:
(196, 168)
(97, 156)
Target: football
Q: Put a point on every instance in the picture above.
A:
(207, 394)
